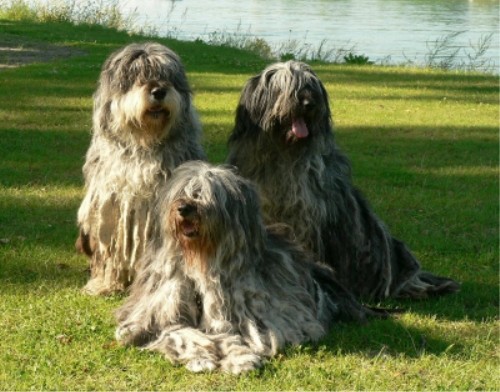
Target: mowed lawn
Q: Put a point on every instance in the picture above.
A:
(424, 148)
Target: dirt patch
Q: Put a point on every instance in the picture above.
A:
(16, 51)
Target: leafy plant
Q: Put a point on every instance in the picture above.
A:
(358, 59)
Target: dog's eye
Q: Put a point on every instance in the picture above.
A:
(186, 209)
(307, 101)
(196, 195)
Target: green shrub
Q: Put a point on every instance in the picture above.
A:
(358, 59)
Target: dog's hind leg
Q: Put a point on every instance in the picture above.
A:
(421, 284)
(387, 268)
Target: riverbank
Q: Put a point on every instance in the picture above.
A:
(424, 147)
(460, 36)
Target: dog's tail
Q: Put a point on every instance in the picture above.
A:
(342, 305)
(425, 284)
(421, 284)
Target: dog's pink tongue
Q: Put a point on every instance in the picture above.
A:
(299, 128)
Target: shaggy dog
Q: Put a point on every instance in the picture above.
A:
(144, 125)
(217, 289)
(283, 141)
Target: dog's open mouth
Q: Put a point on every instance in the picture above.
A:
(298, 130)
(188, 228)
(158, 112)
(187, 219)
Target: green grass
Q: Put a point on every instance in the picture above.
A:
(424, 147)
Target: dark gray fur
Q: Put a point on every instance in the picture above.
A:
(306, 183)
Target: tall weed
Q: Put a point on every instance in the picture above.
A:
(106, 13)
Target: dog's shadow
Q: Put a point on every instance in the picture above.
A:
(378, 338)
(402, 334)
(476, 301)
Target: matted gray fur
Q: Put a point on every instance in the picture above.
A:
(219, 290)
(144, 125)
(283, 141)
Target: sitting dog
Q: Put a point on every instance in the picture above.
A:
(219, 290)
(283, 141)
(144, 125)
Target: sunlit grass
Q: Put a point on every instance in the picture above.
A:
(424, 148)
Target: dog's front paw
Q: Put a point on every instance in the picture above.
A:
(201, 365)
(132, 334)
(237, 364)
(125, 333)
(97, 286)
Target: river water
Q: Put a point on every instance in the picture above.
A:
(395, 31)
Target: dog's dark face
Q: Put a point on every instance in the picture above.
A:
(211, 209)
(286, 101)
(142, 91)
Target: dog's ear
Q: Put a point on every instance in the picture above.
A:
(324, 94)
(102, 103)
(113, 71)
(325, 121)
(245, 122)
(327, 125)
(106, 76)
(102, 110)
(177, 75)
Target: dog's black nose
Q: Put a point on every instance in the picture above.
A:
(159, 93)
(185, 209)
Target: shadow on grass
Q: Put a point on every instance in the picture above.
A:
(382, 158)
(56, 157)
(379, 339)
(20, 275)
(476, 301)
(32, 157)
(467, 87)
